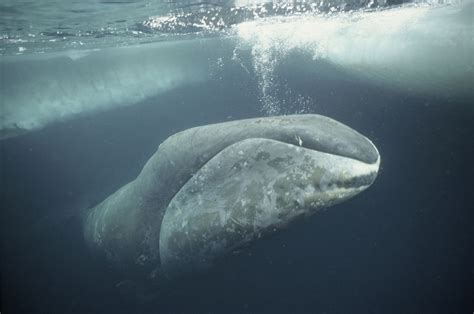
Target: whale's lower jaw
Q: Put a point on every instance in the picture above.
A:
(252, 188)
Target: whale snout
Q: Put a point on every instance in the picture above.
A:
(349, 160)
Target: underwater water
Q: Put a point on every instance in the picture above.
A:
(89, 89)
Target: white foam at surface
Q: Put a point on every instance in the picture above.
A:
(426, 49)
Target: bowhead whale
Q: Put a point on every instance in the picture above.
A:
(210, 190)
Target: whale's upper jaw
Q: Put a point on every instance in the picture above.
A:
(329, 136)
(344, 142)
(320, 133)
(339, 140)
(324, 135)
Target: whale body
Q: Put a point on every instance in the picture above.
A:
(210, 190)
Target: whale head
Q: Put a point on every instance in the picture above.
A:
(211, 190)
(258, 185)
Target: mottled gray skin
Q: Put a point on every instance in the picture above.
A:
(209, 190)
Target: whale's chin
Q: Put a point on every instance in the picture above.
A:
(211, 190)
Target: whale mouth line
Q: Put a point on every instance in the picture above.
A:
(362, 181)
(300, 145)
(316, 149)
(356, 182)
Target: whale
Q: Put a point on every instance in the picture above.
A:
(213, 190)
